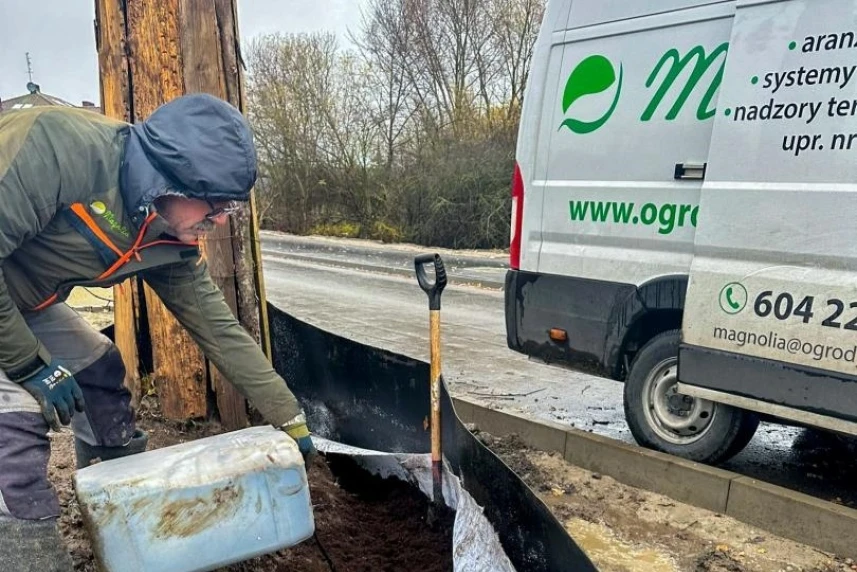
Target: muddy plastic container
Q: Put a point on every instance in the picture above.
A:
(198, 505)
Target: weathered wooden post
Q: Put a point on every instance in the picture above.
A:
(150, 52)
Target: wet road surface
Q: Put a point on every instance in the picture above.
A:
(368, 293)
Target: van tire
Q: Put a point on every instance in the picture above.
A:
(664, 420)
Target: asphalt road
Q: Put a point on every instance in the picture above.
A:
(367, 292)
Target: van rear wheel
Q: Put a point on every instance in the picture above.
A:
(660, 418)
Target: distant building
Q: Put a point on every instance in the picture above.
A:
(35, 98)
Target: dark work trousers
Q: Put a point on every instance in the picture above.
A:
(25, 492)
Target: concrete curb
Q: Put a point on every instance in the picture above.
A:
(495, 284)
(786, 513)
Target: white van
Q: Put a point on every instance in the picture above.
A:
(685, 213)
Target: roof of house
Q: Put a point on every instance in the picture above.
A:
(35, 98)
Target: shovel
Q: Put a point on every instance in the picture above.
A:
(434, 290)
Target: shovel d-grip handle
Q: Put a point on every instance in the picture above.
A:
(433, 289)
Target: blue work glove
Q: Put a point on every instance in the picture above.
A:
(57, 392)
(297, 429)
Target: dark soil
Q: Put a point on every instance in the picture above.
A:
(362, 522)
(516, 454)
(366, 523)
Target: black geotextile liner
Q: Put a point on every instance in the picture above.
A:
(375, 399)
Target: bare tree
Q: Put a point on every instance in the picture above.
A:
(384, 43)
(452, 38)
(288, 74)
(516, 25)
(310, 113)
(413, 134)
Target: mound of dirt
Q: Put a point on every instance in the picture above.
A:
(626, 529)
(362, 522)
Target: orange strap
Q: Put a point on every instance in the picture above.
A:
(124, 257)
(80, 211)
(47, 302)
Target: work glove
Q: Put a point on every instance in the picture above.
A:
(297, 429)
(57, 392)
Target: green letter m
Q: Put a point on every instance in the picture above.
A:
(678, 64)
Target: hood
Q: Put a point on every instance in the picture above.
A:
(197, 145)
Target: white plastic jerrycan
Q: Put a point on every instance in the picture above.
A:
(198, 505)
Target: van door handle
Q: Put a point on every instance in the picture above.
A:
(690, 171)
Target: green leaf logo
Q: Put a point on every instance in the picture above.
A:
(593, 75)
(98, 207)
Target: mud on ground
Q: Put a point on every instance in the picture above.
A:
(625, 529)
(622, 528)
(362, 523)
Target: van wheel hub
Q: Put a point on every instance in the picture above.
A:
(677, 418)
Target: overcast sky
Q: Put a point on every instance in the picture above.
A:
(59, 36)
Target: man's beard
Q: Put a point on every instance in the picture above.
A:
(203, 227)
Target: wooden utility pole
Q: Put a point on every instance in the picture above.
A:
(150, 52)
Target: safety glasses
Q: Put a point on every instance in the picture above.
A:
(230, 209)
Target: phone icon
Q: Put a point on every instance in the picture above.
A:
(733, 304)
(733, 298)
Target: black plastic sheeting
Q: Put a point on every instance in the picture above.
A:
(374, 399)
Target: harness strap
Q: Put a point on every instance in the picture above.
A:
(80, 211)
(131, 252)
(124, 257)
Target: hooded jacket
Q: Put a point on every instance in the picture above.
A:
(76, 194)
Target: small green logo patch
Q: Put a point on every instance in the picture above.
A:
(100, 209)
(595, 74)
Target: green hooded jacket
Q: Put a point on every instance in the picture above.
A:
(61, 166)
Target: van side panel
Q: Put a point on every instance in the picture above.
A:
(614, 235)
(638, 97)
(774, 282)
